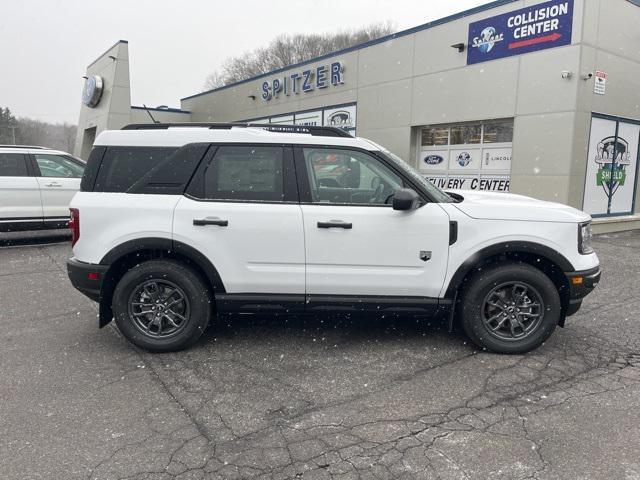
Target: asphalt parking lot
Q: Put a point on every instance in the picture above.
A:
(314, 398)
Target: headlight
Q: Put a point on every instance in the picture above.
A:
(584, 238)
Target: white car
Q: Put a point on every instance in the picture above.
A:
(36, 186)
(175, 224)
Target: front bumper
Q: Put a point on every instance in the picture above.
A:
(86, 277)
(581, 284)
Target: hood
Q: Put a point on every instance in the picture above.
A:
(509, 206)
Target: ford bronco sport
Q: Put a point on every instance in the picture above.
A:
(175, 224)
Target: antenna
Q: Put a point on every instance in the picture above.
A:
(149, 113)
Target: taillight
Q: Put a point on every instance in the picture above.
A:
(74, 225)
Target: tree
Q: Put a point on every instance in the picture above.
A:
(8, 125)
(28, 131)
(59, 136)
(288, 49)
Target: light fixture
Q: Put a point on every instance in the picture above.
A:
(112, 57)
(566, 74)
(252, 97)
(459, 46)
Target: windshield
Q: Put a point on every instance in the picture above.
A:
(434, 192)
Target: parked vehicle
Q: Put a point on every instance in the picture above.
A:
(175, 224)
(36, 186)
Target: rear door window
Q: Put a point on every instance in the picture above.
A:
(249, 173)
(123, 166)
(13, 165)
(58, 166)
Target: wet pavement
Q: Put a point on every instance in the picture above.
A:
(278, 397)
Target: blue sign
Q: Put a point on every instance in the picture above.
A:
(530, 29)
(433, 159)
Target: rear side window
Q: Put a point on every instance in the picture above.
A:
(171, 176)
(13, 165)
(91, 169)
(250, 173)
(123, 166)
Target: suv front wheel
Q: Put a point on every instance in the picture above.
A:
(509, 307)
(162, 306)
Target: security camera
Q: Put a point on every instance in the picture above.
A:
(566, 74)
(587, 76)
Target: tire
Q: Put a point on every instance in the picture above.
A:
(509, 307)
(162, 306)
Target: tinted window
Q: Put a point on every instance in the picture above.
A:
(12, 165)
(245, 173)
(91, 169)
(58, 166)
(123, 166)
(170, 177)
(349, 177)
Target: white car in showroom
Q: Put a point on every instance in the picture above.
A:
(36, 186)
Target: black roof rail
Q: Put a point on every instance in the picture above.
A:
(315, 130)
(26, 146)
(165, 126)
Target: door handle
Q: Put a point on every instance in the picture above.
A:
(53, 184)
(210, 221)
(335, 224)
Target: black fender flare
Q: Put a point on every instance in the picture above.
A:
(511, 248)
(170, 247)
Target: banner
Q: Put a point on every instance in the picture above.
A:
(309, 118)
(612, 165)
(343, 117)
(530, 29)
(493, 183)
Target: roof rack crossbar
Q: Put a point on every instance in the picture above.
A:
(24, 146)
(314, 130)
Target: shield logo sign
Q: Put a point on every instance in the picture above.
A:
(612, 157)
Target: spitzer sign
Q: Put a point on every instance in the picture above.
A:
(530, 29)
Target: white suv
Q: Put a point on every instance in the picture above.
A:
(36, 186)
(175, 224)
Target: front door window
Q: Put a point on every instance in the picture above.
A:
(349, 177)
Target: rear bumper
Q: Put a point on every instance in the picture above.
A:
(581, 284)
(86, 277)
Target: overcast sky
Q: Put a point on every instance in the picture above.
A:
(46, 45)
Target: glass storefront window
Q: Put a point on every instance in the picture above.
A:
(465, 134)
(498, 132)
(435, 136)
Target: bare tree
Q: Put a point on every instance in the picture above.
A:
(27, 131)
(288, 49)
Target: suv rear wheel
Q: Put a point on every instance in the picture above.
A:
(509, 307)
(162, 306)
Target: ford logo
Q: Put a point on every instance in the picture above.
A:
(433, 159)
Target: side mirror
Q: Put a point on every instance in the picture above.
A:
(405, 199)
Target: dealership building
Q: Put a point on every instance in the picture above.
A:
(536, 98)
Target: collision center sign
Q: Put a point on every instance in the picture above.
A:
(530, 29)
